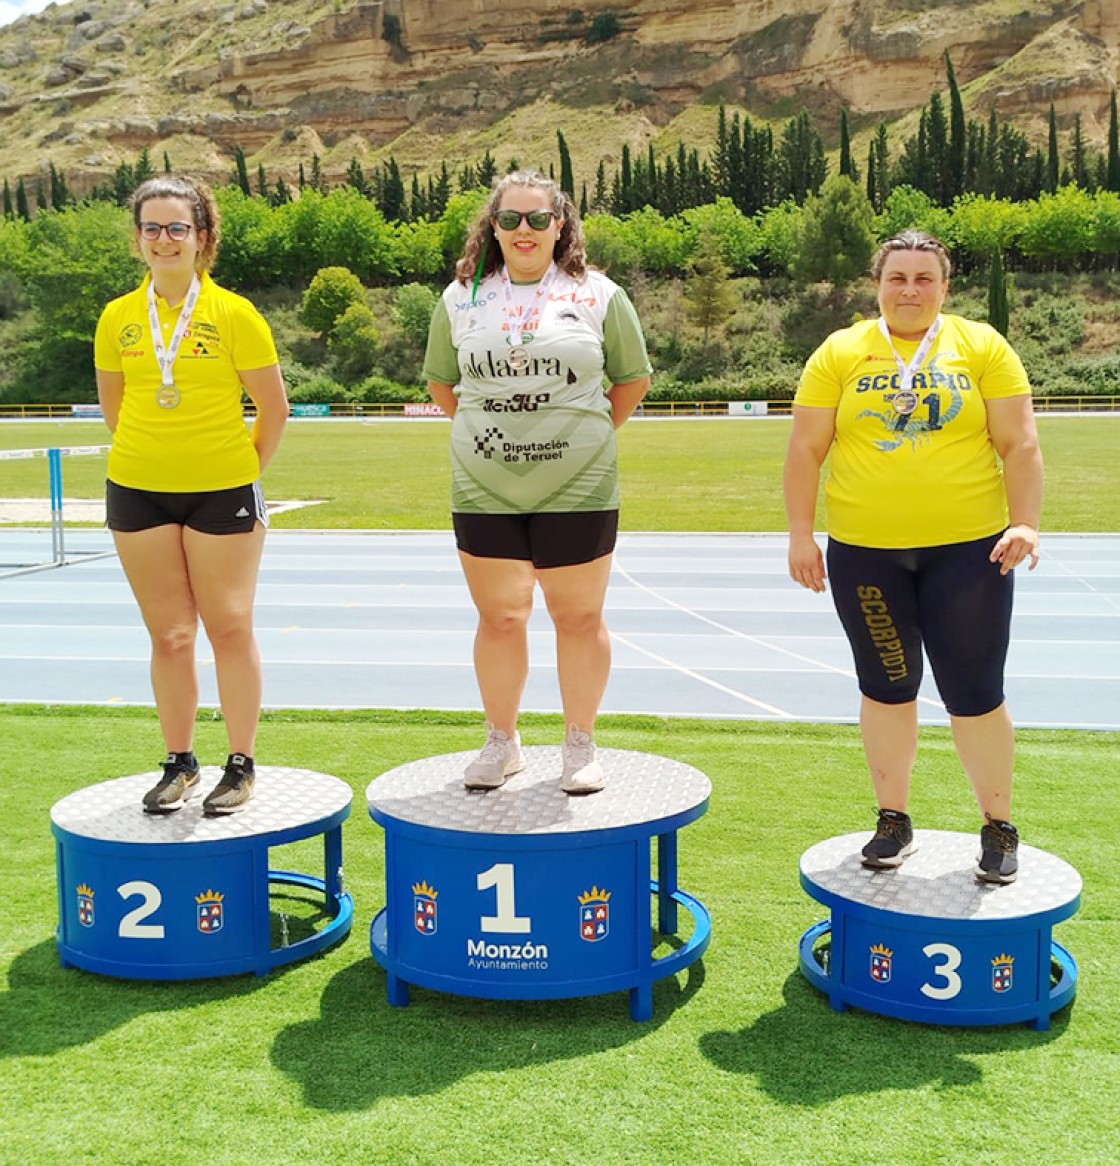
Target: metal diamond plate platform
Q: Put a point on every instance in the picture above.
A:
(938, 880)
(284, 799)
(641, 788)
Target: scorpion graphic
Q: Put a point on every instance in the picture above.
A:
(908, 427)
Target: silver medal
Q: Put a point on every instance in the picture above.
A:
(168, 396)
(905, 402)
(518, 357)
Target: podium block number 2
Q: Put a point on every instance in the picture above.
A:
(507, 920)
(946, 971)
(132, 926)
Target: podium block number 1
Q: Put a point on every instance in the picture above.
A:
(507, 920)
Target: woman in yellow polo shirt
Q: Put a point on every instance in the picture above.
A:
(183, 496)
(933, 496)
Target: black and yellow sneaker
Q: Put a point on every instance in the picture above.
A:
(235, 789)
(177, 786)
(999, 852)
(893, 842)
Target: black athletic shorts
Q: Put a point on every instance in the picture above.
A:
(546, 540)
(233, 511)
(949, 599)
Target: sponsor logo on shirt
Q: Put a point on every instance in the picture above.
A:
(491, 366)
(518, 403)
(130, 335)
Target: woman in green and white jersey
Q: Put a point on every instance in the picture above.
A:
(538, 360)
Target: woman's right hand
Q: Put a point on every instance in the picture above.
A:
(806, 563)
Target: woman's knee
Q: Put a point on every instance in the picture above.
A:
(577, 621)
(504, 621)
(174, 639)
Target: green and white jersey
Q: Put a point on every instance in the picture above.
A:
(537, 436)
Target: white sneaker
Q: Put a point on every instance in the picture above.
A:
(582, 772)
(500, 758)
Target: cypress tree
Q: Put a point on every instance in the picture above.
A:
(958, 134)
(22, 209)
(356, 178)
(872, 195)
(487, 171)
(720, 170)
(1113, 172)
(1079, 156)
(846, 167)
(166, 163)
(262, 181)
(302, 177)
(583, 201)
(1052, 158)
(999, 314)
(242, 170)
(8, 208)
(600, 200)
(392, 190)
(567, 180)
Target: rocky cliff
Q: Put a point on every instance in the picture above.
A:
(87, 84)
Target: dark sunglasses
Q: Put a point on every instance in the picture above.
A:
(176, 231)
(538, 220)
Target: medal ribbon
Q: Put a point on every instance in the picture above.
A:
(166, 354)
(528, 322)
(906, 371)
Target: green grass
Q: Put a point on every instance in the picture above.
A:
(676, 475)
(743, 1062)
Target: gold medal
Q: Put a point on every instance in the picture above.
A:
(168, 396)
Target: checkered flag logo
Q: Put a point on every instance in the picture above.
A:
(483, 444)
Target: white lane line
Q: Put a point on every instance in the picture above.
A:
(672, 664)
(818, 664)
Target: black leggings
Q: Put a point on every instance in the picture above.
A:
(950, 599)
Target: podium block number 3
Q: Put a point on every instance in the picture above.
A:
(946, 971)
(132, 926)
(507, 920)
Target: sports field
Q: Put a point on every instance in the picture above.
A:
(743, 1062)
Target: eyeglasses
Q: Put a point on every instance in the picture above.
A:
(176, 231)
(538, 220)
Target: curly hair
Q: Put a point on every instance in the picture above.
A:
(911, 240)
(204, 209)
(481, 254)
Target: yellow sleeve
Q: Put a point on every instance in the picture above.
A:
(106, 346)
(253, 346)
(1003, 373)
(820, 385)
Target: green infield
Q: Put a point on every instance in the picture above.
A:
(723, 475)
(742, 1063)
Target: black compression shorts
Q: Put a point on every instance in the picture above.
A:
(233, 511)
(950, 599)
(546, 540)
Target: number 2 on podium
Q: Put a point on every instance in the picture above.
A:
(507, 920)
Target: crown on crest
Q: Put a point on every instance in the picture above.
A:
(423, 888)
(595, 895)
(209, 897)
(85, 889)
(881, 949)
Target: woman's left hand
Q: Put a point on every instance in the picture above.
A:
(1015, 544)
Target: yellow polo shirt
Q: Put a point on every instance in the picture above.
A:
(203, 442)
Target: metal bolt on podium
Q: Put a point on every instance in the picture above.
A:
(284, 940)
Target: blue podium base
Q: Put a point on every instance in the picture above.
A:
(641, 995)
(186, 897)
(929, 942)
(522, 893)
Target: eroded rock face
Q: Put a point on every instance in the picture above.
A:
(239, 73)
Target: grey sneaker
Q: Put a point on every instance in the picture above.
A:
(177, 786)
(500, 758)
(893, 842)
(235, 789)
(999, 852)
(582, 772)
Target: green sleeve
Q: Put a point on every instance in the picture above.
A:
(441, 360)
(624, 346)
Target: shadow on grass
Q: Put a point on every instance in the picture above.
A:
(806, 1054)
(48, 1008)
(362, 1049)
